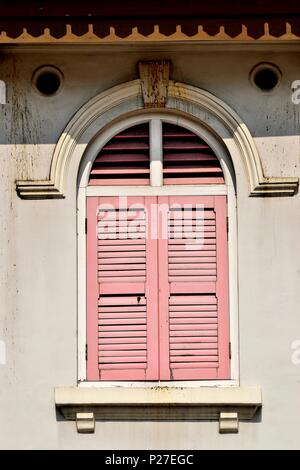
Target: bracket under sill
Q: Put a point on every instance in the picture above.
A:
(226, 404)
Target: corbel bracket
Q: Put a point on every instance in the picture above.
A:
(228, 423)
(85, 423)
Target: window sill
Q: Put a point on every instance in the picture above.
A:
(226, 404)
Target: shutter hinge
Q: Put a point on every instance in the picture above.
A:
(86, 352)
(86, 225)
(229, 350)
(227, 224)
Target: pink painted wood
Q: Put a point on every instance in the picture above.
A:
(164, 293)
(163, 307)
(92, 290)
(124, 321)
(188, 159)
(152, 292)
(124, 160)
(194, 312)
(122, 288)
(222, 286)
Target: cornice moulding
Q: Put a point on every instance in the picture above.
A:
(136, 36)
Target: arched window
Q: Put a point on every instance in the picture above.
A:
(157, 270)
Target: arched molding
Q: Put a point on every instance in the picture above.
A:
(118, 102)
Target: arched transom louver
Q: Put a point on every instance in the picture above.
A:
(159, 154)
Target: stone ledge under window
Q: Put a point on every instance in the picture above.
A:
(227, 404)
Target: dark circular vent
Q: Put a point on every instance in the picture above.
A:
(265, 76)
(47, 80)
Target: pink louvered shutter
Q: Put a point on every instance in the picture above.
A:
(187, 159)
(122, 321)
(124, 160)
(193, 279)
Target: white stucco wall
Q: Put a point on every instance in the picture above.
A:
(38, 255)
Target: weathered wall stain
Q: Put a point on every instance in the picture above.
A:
(24, 132)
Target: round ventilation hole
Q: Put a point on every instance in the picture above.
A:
(47, 80)
(265, 76)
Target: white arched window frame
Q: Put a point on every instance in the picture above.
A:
(156, 188)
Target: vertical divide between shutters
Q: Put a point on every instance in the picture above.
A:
(157, 305)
